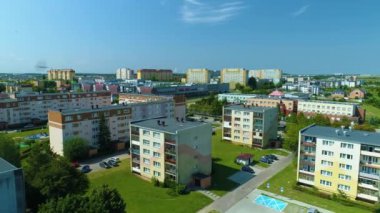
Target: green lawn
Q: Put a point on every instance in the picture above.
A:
(371, 111)
(287, 179)
(18, 135)
(142, 196)
(224, 154)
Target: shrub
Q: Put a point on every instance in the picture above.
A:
(169, 184)
(181, 189)
(155, 182)
(172, 192)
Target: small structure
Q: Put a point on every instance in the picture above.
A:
(244, 158)
(339, 94)
(276, 93)
(357, 94)
(201, 180)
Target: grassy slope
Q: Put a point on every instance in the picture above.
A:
(142, 196)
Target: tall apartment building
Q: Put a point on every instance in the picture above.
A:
(198, 76)
(124, 74)
(84, 123)
(334, 110)
(234, 76)
(251, 126)
(286, 106)
(61, 74)
(172, 149)
(155, 74)
(12, 188)
(273, 74)
(33, 108)
(334, 160)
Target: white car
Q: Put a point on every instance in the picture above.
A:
(116, 159)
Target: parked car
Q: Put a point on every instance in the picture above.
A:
(312, 210)
(273, 157)
(104, 164)
(247, 169)
(116, 159)
(265, 160)
(29, 126)
(85, 169)
(112, 163)
(75, 164)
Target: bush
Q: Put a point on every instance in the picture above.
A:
(75, 148)
(181, 189)
(155, 182)
(172, 192)
(169, 184)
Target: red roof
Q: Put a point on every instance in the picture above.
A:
(245, 156)
(277, 93)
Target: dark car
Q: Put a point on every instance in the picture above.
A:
(265, 160)
(247, 169)
(85, 169)
(104, 165)
(272, 157)
(112, 163)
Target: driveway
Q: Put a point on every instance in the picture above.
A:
(228, 200)
(94, 162)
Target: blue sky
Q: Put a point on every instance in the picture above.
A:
(298, 36)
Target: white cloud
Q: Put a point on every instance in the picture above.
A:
(300, 11)
(195, 11)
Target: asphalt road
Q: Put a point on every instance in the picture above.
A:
(94, 162)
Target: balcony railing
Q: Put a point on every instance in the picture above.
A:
(312, 163)
(370, 175)
(308, 143)
(171, 171)
(171, 141)
(170, 160)
(135, 132)
(170, 151)
(136, 160)
(135, 151)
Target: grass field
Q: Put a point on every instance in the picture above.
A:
(142, 196)
(287, 179)
(224, 154)
(18, 135)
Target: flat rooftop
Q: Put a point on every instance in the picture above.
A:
(248, 108)
(353, 136)
(171, 124)
(328, 102)
(84, 110)
(6, 166)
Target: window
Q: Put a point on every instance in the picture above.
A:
(156, 164)
(328, 153)
(326, 173)
(236, 137)
(146, 170)
(326, 163)
(146, 142)
(156, 134)
(146, 132)
(156, 154)
(236, 125)
(344, 177)
(346, 145)
(236, 131)
(156, 145)
(344, 187)
(325, 182)
(246, 113)
(245, 120)
(327, 143)
(146, 151)
(146, 161)
(246, 126)
(68, 118)
(156, 174)
(345, 166)
(346, 156)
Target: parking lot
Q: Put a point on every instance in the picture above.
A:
(94, 162)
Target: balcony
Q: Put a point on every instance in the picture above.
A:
(369, 175)
(368, 186)
(308, 143)
(307, 172)
(304, 181)
(312, 163)
(370, 164)
(307, 153)
(367, 197)
(135, 151)
(135, 138)
(171, 171)
(170, 160)
(170, 141)
(170, 151)
(136, 169)
(227, 118)
(136, 160)
(135, 132)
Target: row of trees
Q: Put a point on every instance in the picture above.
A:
(208, 106)
(257, 87)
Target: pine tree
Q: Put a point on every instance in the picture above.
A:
(104, 138)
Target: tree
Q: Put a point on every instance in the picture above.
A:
(9, 150)
(75, 148)
(104, 138)
(69, 203)
(252, 83)
(2, 87)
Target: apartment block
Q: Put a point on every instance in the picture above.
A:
(286, 106)
(12, 188)
(334, 110)
(26, 108)
(61, 74)
(84, 123)
(198, 76)
(334, 160)
(251, 126)
(172, 149)
(155, 74)
(124, 74)
(232, 76)
(273, 74)
(235, 98)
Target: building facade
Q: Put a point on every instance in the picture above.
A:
(124, 74)
(357, 94)
(334, 160)
(235, 98)
(286, 106)
(251, 126)
(171, 149)
(273, 74)
(12, 188)
(61, 74)
(232, 76)
(155, 74)
(198, 76)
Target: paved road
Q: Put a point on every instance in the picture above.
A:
(228, 200)
(94, 162)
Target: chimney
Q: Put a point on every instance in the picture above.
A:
(350, 128)
(337, 131)
(158, 122)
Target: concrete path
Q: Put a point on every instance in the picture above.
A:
(209, 194)
(94, 162)
(228, 200)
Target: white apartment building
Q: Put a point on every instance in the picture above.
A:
(28, 108)
(273, 74)
(198, 76)
(234, 76)
(235, 98)
(334, 160)
(251, 126)
(124, 74)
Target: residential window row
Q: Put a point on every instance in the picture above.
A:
(327, 153)
(345, 166)
(326, 173)
(325, 182)
(327, 143)
(327, 163)
(346, 156)
(346, 145)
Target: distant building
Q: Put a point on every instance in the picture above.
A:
(124, 74)
(235, 98)
(273, 74)
(12, 188)
(232, 76)
(198, 76)
(172, 149)
(61, 74)
(338, 94)
(155, 74)
(357, 94)
(187, 90)
(286, 106)
(250, 126)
